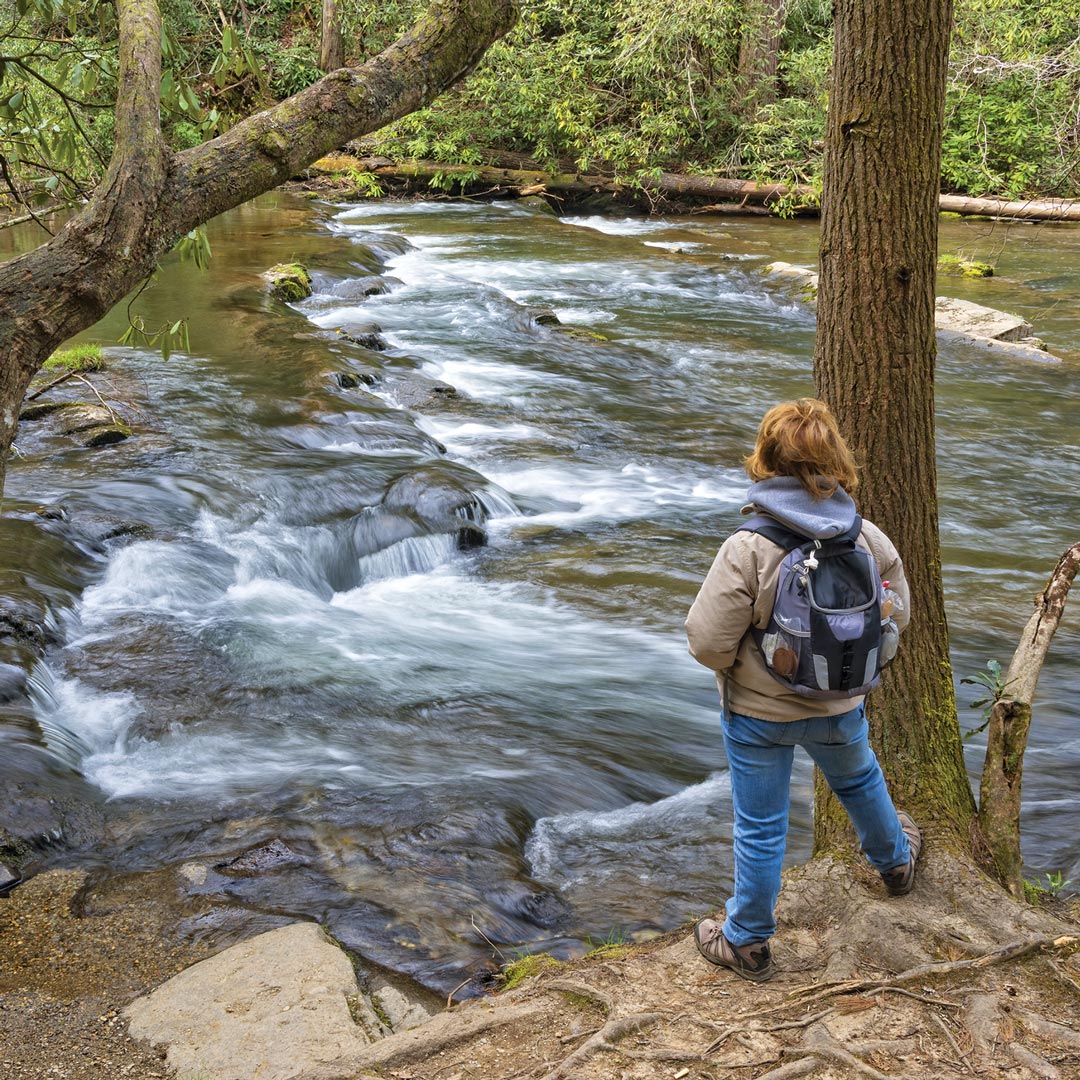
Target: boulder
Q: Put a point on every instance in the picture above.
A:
(398, 1012)
(974, 320)
(288, 281)
(802, 277)
(274, 1007)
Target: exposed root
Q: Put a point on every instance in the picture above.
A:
(786, 1025)
(1014, 951)
(604, 1039)
(581, 989)
(1030, 1060)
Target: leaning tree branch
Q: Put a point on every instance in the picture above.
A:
(1010, 722)
(149, 198)
(270, 147)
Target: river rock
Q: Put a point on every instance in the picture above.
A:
(399, 1012)
(288, 281)
(274, 1007)
(367, 336)
(9, 878)
(802, 277)
(974, 320)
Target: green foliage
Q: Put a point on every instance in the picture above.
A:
(1013, 99)
(627, 86)
(1050, 887)
(995, 687)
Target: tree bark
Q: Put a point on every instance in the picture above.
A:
(875, 364)
(331, 46)
(150, 198)
(759, 52)
(1010, 721)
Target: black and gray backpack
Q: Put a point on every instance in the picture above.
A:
(827, 636)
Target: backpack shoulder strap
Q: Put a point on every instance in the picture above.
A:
(772, 530)
(787, 538)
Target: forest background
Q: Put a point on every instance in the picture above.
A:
(727, 87)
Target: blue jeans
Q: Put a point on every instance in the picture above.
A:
(760, 753)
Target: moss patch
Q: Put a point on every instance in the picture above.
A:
(525, 967)
(77, 358)
(960, 267)
(288, 281)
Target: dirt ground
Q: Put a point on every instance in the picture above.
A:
(952, 981)
(65, 975)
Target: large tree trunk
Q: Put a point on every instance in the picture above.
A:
(759, 52)
(875, 366)
(150, 198)
(331, 46)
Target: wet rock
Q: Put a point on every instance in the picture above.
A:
(38, 409)
(801, 277)
(77, 416)
(272, 1007)
(347, 380)
(418, 392)
(537, 203)
(260, 860)
(22, 623)
(367, 336)
(12, 683)
(9, 878)
(436, 496)
(288, 281)
(105, 435)
(545, 317)
(359, 288)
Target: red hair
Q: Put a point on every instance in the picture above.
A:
(801, 439)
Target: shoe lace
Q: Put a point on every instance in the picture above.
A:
(712, 935)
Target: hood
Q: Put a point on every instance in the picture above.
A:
(785, 499)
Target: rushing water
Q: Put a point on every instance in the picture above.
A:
(460, 748)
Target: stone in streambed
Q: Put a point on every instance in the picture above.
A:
(273, 1007)
(288, 281)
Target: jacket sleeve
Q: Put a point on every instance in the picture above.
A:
(721, 614)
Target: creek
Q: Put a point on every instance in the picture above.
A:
(279, 654)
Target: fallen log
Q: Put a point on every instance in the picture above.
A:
(520, 172)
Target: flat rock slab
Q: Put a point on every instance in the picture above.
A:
(273, 1007)
(974, 320)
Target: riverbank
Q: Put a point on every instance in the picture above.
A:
(952, 979)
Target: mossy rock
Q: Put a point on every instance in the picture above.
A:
(105, 435)
(954, 264)
(79, 358)
(581, 332)
(288, 281)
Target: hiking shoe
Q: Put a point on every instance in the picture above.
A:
(753, 962)
(900, 879)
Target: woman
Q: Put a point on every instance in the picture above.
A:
(802, 473)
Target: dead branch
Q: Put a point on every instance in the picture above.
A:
(97, 394)
(1009, 723)
(961, 1054)
(49, 385)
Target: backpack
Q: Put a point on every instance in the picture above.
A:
(827, 636)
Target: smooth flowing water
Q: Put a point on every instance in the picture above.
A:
(296, 651)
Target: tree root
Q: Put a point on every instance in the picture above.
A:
(1014, 951)
(604, 1039)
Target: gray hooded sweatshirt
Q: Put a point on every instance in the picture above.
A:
(740, 588)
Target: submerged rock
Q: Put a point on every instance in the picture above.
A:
(288, 281)
(368, 336)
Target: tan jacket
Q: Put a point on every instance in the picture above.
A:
(738, 593)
